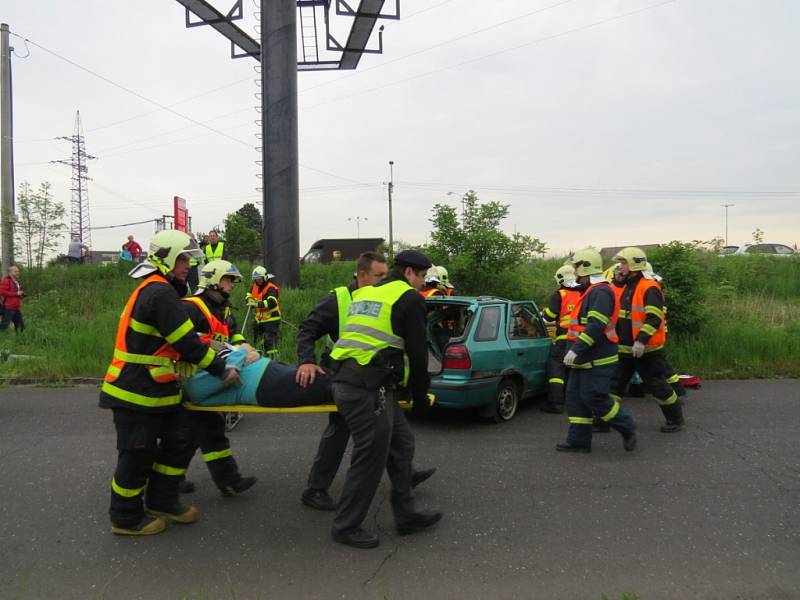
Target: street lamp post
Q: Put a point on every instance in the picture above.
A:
(358, 224)
(725, 206)
(391, 188)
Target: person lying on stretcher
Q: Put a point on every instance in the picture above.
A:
(264, 382)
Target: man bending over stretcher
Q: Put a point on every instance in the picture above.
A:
(265, 382)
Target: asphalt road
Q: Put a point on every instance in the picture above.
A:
(708, 513)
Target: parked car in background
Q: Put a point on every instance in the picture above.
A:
(486, 353)
(761, 249)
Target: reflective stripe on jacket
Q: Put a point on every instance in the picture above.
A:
(577, 324)
(639, 312)
(428, 292)
(368, 327)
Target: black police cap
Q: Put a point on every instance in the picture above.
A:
(413, 259)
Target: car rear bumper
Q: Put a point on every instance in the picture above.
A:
(464, 394)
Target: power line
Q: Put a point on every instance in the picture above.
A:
(125, 224)
(493, 54)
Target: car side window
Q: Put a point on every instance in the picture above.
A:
(524, 324)
(488, 324)
(760, 249)
(781, 249)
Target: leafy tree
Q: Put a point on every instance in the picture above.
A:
(241, 240)
(679, 264)
(253, 216)
(758, 236)
(40, 225)
(479, 257)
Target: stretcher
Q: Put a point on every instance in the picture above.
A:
(316, 408)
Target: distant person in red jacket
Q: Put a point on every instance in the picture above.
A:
(133, 247)
(10, 299)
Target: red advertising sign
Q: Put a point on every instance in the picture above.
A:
(181, 214)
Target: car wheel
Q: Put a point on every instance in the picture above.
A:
(506, 401)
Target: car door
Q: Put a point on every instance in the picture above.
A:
(529, 342)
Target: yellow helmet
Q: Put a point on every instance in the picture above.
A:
(443, 275)
(587, 261)
(167, 245)
(213, 272)
(565, 276)
(259, 272)
(635, 257)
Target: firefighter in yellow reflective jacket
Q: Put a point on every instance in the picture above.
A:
(210, 313)
(264, 296)
(591, 357)
(642, 335)
(382, 347)
(141, 387)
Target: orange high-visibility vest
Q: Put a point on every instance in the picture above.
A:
(217, 330)
(638, 314)
(428, 292)
(577, 324)
(159, 364)
(264, 315)
(569, 298)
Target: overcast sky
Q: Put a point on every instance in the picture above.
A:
(604, 122)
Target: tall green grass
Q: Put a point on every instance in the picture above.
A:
(752, 306)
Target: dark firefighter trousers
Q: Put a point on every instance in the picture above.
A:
(652, 367)
(557, 373)
(153, 452)
(587, 397)
(382, 439)
(209, 431)
(267, 333)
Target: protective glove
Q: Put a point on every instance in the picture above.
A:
(569, 358)
(231, 376)
(252, 302)
(638, 349)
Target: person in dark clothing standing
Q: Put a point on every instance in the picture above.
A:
(211, 316)
(382, 347)
(642, 336)
(265, 296)
(154, 435)
(559, 308)
(327, 319)
(591, 357)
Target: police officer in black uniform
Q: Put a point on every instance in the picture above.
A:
(382, 346)
(322, 321)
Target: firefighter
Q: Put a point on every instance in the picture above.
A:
(327, 319)
(444, 277)
(382, 347)
(211, 316)
(559, 308)
(642, 335)
(264, 296)
(591, 357)
(141, 387)
(433, 285)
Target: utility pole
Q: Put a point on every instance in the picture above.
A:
(726, 220)
(280, 176)
(391, 188)
(6, 152)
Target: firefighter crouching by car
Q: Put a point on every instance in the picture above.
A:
(142, 389)
(559, 308)
(591, 357)
(642, 336)
(210, 313)
(264, 296)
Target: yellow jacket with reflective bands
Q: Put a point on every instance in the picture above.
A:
(368, 328)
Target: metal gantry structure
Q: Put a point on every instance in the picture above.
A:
(281, 54)
(79, 207)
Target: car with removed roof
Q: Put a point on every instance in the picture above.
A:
(486, 353)
(760, 249)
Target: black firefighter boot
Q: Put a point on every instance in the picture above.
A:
(674, 416)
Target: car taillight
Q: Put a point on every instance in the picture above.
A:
(457, 357)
